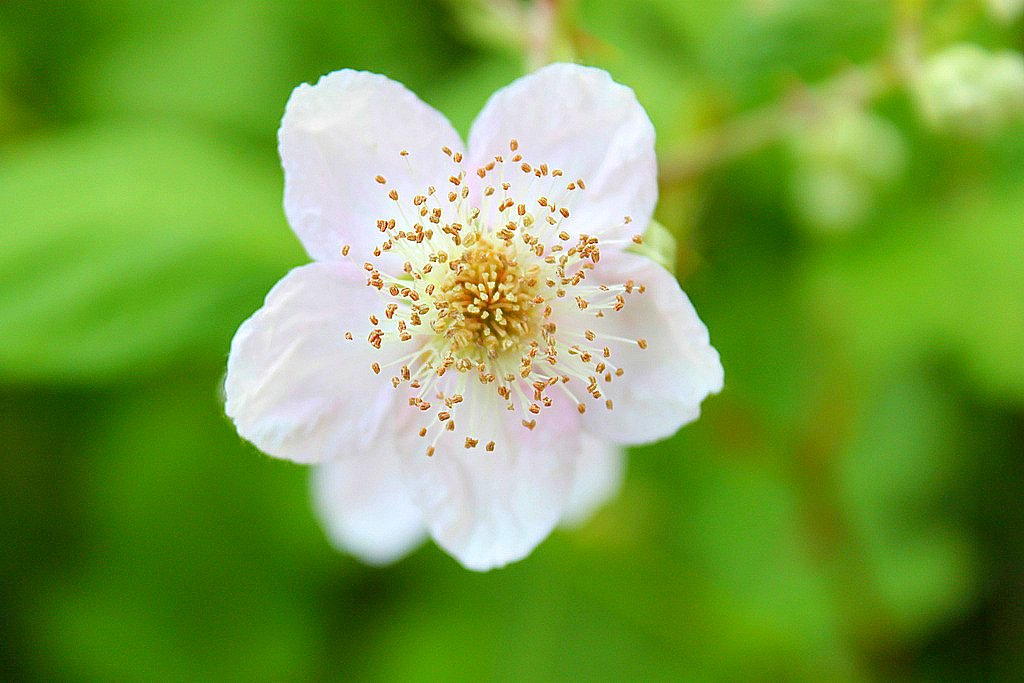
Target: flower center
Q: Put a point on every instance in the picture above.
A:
(491, 302)
(493, 291)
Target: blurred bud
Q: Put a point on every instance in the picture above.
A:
(493, 23)
(830, 198)
(966, 89)
(1005, 11)
(539, 30)
(659, 245)
(842, 156)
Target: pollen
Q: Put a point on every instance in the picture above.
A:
(492, 307)
(489, 303)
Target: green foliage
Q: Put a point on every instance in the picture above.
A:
(825, 520)
(937, 278)
(124, 244)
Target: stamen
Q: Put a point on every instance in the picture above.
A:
(482, 293)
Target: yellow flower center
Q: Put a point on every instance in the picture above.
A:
(489, 303)
(493, 290)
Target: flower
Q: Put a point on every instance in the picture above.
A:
(472, 343)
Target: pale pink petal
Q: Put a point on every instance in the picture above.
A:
(663, 385)
(599, 472)
(491, 508)
(363, 505)
(295, 387)
(336, 137)
(578, 120)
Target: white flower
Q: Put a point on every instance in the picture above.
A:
(472, 343)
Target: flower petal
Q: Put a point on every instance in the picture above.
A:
(491, 508)
(295, 387)
(663, 385)
(599, 472)
(579, 120)
(365, 508)
(336, 137)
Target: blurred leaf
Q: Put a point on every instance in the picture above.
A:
(936, 278)
(416, 43)
(754, 49)
(226, 62)
(201, 558)
(746, 292)
(464, 90)
(895, 479)
(640, 49)
(123, 245)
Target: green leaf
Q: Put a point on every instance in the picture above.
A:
(125, 246)
(939, 278)
(225, 63)
(895, 481)
(203, 560)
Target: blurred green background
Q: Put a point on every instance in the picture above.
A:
(849, 508)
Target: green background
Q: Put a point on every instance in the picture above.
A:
(848, 508)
